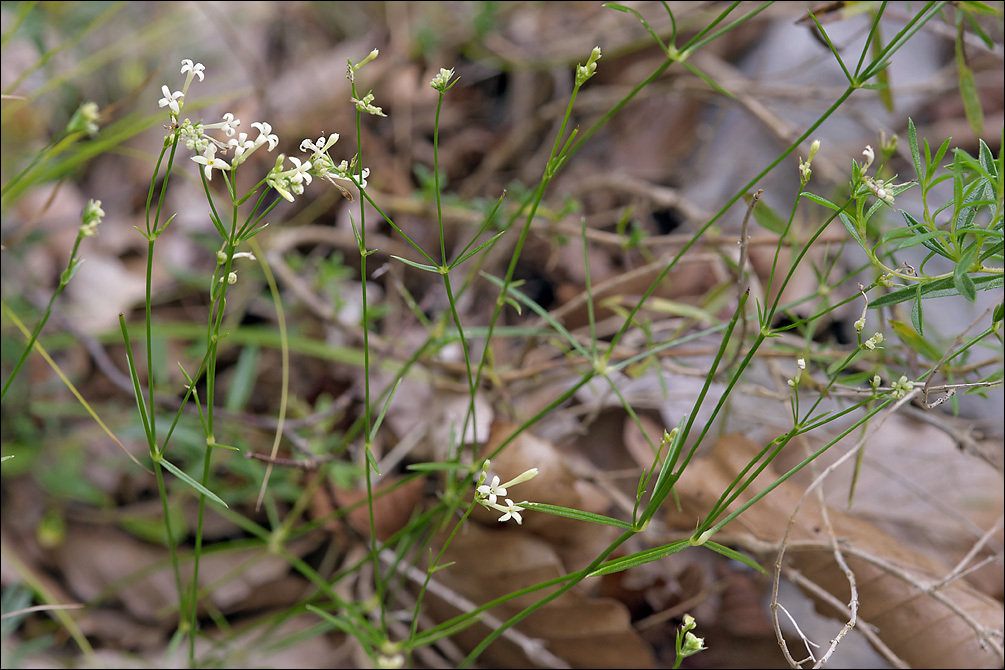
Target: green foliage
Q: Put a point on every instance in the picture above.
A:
(965, 230)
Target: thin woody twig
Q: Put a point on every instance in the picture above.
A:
(533, 648)
(988, 637)
(959, 570)
(865, 628)
(42, 608)
(745, 241)
(302, 464)
(742, 286)
(853, 604)
(849, 575)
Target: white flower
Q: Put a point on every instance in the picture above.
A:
(873, 341)
(366, 105)
(319, 147)
(240, 144)
(195, 69)
(300, 171)
(352, 68)
(492, 491)
(230, 124)
(584, 72)
(85, 119)
(289, 183)
(282, 190)
(192, 136)
(210, 162)
(801, 365)
(171, 100)
(902, 387)
(441, 80)
(870, 156)
(528, 474)
(510, 511)
(265, 135)
(692, 644)
(93, 212)
(879, 189)
(91, 218)
(221, 256)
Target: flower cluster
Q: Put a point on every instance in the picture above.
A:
(688, 644)
(350, 73)
(801, 365)
(874, 341)
(584, 72)
(85, 119)
(804, 166)
(902, 387)
(287, 181)
(91, 218)
(487, 494)
(366, 105)
(884, 190)
(174, 100)
(441, 82)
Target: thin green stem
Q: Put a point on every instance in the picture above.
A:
(367, 400)
(778, 482)
(63, 281)
(148, 334)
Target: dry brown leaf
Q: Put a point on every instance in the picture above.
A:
(391, 511)
(916, 485)
(113, 558)
(584, 632)
(637, 444)
(920, 629)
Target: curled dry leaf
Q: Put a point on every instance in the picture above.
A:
(891, 577)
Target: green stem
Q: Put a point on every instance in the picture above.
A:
(64, 279)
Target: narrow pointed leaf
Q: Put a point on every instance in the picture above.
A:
(181, 474)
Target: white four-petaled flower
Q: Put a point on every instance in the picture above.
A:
(487, 493)
(492, 491)
(510, 511)
(170, 100)
(300, 173)
(319, 147)
(230, 124)
(210, 162)
(197, 69)
(240, 144)
(870, 156)
(265, 135)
